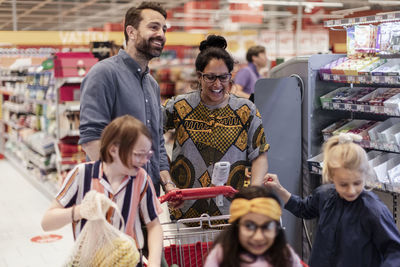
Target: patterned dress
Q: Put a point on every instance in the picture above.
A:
(206, 135)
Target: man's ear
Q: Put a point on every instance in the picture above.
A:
(131, 31)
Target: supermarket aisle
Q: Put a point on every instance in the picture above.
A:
(22, 207)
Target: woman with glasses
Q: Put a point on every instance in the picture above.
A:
(212, 125)
(255, 236)
(125, 146)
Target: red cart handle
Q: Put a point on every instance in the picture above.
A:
(198, 193)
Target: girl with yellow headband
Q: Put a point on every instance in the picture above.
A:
(255, 237)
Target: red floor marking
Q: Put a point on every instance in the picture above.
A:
(46, 238)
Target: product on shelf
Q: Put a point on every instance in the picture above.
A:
(328, 131)
(345, 95)
(388, 40)
(380, 166)
(365, 39)
(378, 139)
(390, 68)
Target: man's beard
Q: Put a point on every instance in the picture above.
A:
(146, 49)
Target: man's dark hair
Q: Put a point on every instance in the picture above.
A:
(254, 51)
(133, 16)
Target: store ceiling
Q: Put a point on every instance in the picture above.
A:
(41, 15)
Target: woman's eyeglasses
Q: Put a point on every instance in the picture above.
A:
(250, 228)
(140, 156)
(210, 78)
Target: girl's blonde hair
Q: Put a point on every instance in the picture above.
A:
(342, 152)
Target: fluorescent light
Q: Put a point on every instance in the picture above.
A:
(291, 3)
(384, 3)
(201, 12)
(350, 10)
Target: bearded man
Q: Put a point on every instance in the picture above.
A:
(122, 85)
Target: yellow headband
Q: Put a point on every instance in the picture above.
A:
(262, 205)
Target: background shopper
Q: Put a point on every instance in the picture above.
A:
(246, 77)
(255, 236)
(354, 227)
(212, 125)
(125, 146)
(122, 85)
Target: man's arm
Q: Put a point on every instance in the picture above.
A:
(259, 168)
(92, 149)
(166, 181)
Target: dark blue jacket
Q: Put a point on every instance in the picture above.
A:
(361, 233)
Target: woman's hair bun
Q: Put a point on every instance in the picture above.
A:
(213, 41)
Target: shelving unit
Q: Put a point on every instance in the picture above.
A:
(25, 97)
(379, 18)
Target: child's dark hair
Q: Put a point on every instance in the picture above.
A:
(278, 254)
(213, 47)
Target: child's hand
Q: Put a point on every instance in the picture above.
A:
(271, 181)
(94, 205)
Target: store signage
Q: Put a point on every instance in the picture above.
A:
(46, 238)
(83, 37)
(43, 38)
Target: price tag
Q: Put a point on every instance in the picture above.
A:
(352, 21)
(347, 106)
(375, 79)
(326, 76)
(361, 79)
(363, 19)
(336, 78)
(335, 105)
(391, 16)
(351, 79)
(329, 23)
(378, 18)
(379, 109)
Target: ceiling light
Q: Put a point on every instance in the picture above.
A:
(350, 10)
(384, 3)
(291, 3)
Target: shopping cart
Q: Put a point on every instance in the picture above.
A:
(188, 246)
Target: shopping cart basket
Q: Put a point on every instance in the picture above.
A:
(188, 246)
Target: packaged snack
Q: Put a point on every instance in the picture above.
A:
(390, 68)
(351, 42)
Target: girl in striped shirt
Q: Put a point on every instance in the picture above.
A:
(125, 147)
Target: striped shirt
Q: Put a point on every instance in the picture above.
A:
(89, 176)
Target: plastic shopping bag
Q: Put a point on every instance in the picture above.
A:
(100, 243)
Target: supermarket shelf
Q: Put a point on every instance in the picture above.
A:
(362, 79)
(12, 79)
(61, 81)
(46, 188)
(13, 125)
(378, 110)
(3, 91)
(64, 134)
(40, 102)
(379, 18)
